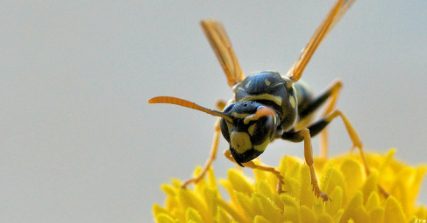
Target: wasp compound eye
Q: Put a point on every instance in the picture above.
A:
(263, 130)
(224, 130)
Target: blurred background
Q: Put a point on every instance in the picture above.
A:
(79, 143)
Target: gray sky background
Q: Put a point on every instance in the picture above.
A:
(79, 143)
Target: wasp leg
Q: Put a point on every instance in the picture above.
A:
(317, 102)
(212, 157)
(324, 142)
(330, 95)
(333, 91)
(320, 125)
(305, 135)
(357, 143)
(253, 165)
(214, 150)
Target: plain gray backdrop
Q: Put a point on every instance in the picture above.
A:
(79, 143)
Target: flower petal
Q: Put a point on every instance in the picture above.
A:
(239, 181)
(393, 211)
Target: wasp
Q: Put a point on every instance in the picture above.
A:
(268, 105)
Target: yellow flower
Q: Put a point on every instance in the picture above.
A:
(354, 195)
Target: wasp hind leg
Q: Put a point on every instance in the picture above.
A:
(214, 150)
(357, 143)
(253, 165)
(324, 142)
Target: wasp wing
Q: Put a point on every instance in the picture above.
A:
(221, 45)
(337, 11)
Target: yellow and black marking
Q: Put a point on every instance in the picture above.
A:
(251, 130)
(268, 106)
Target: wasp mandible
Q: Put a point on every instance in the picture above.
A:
(267, 105)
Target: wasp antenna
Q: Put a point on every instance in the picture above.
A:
(261, 112)
(187, 104)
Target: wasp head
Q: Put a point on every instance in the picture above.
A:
(248, 126)
(251, 129)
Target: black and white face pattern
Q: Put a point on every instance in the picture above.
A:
(250, 131)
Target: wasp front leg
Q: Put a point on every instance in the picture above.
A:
(214, 150)
(253, 165)
(305, 135)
